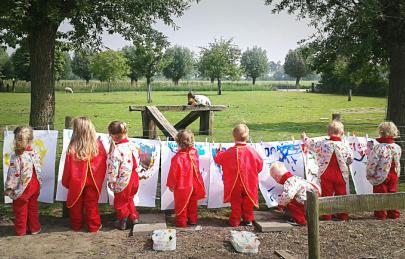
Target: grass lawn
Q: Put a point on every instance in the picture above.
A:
(270, 115)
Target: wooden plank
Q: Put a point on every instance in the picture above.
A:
(148, 223)
(312, 211)
(180, 108)
(163, 124)
(270, 221)
(148, 126)
(206, 122)
(190, 118)
(284, 254)
(361, 203)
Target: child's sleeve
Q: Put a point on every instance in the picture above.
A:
(289, 192)
(172, 176)
(311, 144)
(372, 162)
(349, 155)
(38, 170)
(259, 162)
(67, 170)
(13, 175)
(218, 159)
(113, 166)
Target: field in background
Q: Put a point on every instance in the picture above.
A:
(164, 85)
(270, 115)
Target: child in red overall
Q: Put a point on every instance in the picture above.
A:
(294, 194)
(240, 165)
(122, 175)
(23, 182)
(83, 175)
(333, 157)
(383, 167)
(185, 180)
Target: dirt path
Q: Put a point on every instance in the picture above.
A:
(360, 237)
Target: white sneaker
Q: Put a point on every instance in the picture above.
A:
(36, 232)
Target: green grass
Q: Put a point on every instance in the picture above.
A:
(270, 115)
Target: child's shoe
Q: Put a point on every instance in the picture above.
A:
(36, 232)
(121, 224)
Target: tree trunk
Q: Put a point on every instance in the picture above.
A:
(132, 81)
(13, 87)
(297, 82)
(219, 86)
(87, 82)
(148, 90)
(212, 80)
(176, 82)
(254, 80)
(109, 85)
(42, 52)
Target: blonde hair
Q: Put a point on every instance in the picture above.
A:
(23, 136)
(83, 144)
(185, 139)
(241, 132)
(277, 170)
(388, 129)
(117, 128)
(336, 128)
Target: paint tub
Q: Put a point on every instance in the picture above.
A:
(245, 242)
(164, 240)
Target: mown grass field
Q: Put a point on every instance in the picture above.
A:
(270, 115)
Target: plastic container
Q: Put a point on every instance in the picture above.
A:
(164, 240)
(245, 242)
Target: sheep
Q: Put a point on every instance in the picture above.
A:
(68, 90)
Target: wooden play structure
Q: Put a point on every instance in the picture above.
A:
(348, 203)
(152, 116)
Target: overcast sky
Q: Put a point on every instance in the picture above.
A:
(248, 22)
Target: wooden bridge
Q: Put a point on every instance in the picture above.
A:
(152, 116)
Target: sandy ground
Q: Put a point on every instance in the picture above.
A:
(361, 237)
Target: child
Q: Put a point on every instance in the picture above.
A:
(333, 157)
(295, 192)
(185, 180)
(195, 100)
(83, 175)
(122, 175)
(240, 165)
(23, 182)
(383, 166)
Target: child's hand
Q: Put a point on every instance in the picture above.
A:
(303, 135)
(370, 145)
(8, 192)
(111, 185)
(171, 189)
(280, 208)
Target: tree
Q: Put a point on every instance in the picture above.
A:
(367, 31)
(109, 66)
(179, 63)
(254, 63)
(220, 59)
(295, 65)
(63, 67)
(21, 63)
(149, 52)
(39, 20)
(81, 64)
(135, 68)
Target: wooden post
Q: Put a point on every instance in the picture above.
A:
(148, 125)
(312, 211)
(336, 116)
(206, 122)
(313, 87)
(349, 97)
(68, 125)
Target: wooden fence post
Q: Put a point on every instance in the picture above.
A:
(312, 211)
(68, 125)
(336, 116)
(349, 97)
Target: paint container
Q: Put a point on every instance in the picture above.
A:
(244, 242)
(164, 240)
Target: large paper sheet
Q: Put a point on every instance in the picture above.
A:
(287, 152)
(359, 165)
(169, 149)
(148, 152)
(45, 144)
(61, 192)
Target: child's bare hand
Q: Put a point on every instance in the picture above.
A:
(171, 189)
(280, 208)
(303, 135)
(8, 192)
(111, 185)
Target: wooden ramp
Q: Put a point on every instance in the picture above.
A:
(163, 124)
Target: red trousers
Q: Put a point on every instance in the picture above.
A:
(25, 209)
(86, 207)
(297, 212)
(333, 184)
(124, 201)
(241, 205)
(388, 186)
(189, 213)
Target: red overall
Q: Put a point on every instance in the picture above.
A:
(84, 180)
(25, 208)
(187, 184)
(124, 201)
(388, 186)
(241, 166)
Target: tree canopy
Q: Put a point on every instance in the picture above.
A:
(220, 59)
(295, 65)
(178, 63)
(134, 63)
(254, 63)
(81, 64)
